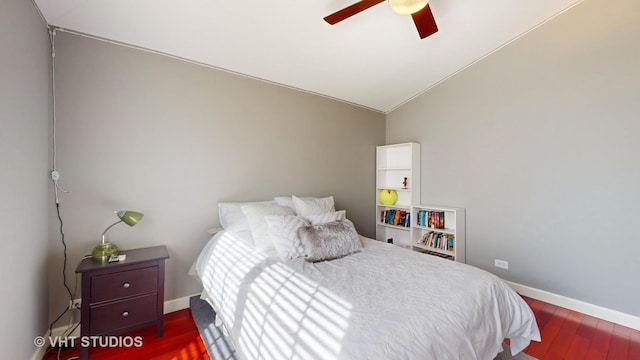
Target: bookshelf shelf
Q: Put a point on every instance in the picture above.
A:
(403, 228)
(397, 168)
(444, 231)
(397, 189)
(443, 252)
(401, 207)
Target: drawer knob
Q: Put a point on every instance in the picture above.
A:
(126, 285)
(125, 313)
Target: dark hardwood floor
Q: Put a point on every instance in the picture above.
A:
(181, 341)
(566, 335)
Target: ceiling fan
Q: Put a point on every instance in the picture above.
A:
(418, 9)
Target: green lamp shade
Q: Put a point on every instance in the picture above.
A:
(130, 217)
(387, 197)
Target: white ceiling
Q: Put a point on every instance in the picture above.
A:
(374, 59)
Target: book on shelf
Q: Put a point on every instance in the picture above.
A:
(436, 240)
(395, 217)
(431, 219)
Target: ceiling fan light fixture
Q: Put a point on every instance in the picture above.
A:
(407, 7)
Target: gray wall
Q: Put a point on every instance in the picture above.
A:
(171, 139)
(539, 142)
(24, 119)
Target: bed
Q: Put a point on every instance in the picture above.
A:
(378, 301)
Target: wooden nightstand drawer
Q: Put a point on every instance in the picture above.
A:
(122, 314)
(123, 284)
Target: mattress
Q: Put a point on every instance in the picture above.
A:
(383, 302)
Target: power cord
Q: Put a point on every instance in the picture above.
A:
(64, 266)
(64, 270)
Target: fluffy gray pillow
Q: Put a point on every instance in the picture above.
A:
(329, 241)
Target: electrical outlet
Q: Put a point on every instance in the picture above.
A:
(75, 304)
(502, 264)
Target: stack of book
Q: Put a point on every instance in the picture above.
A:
(436, 240)
(431, 219)
(396, 217)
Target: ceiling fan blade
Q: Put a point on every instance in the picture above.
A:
(425, 23)
(349, 11)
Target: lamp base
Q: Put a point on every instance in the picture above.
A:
(104, 251)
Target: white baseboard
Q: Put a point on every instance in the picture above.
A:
(169, 307)
(600, 312)
(39, 352)
(177, 304)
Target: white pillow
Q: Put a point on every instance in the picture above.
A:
(231, 216)
(255, 214)
(327, 217)
(313, 206)
(288, 201)
(284, 235)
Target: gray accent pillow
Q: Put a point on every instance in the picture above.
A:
(329, 241)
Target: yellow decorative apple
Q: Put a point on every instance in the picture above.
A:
(388, 197)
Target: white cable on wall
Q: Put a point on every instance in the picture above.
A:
(55, 176)
(52, 37)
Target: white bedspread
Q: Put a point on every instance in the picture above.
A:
(382, 303)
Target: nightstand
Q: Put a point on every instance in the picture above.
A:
(122, 296)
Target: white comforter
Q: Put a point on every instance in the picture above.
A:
(382, 303)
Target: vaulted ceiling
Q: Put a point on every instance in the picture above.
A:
(374, 59)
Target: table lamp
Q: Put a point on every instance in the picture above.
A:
(105, 249)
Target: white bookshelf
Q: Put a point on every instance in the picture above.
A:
(394, 163)
(444, 238)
